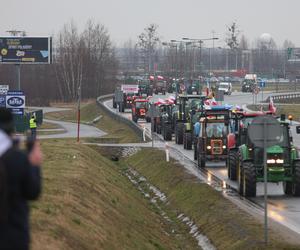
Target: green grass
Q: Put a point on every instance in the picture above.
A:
(117, 132)
(88, 203)
(222, 222)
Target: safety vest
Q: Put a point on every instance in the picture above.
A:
(32, 123)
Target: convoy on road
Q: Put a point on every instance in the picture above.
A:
(214, 132)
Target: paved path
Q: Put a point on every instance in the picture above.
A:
(70, 128)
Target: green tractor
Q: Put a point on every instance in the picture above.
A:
(145, 88)
(166, 121)
(283, 164)
(183, 103)
(194, 111)
(195, 88)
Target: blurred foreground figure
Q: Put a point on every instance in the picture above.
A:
(20, 181)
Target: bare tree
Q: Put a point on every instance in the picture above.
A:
(147, 42)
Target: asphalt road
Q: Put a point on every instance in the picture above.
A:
(281, 208)
(70, 128)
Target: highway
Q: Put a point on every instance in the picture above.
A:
(281, 208)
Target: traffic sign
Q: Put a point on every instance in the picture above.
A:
(272, 136)
(262, 84)
(4, 89)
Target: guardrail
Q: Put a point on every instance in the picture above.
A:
(285, 98)
(113, 114)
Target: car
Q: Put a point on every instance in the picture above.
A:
(226, 87)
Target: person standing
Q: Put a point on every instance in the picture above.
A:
(33, 126)
(20, 181)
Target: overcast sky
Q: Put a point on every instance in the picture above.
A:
(176, 18)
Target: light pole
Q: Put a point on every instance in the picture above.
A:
(200, 41)
(186, 50)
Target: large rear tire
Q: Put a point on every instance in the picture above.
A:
(168, 132)
(249, 180)
(201, 161)
(189, 141)
(232, 165)
(195, 149)
(114, 104)
(134, 118)
(296, 184)
(179, 129)
(288, 187)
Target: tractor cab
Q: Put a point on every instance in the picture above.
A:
(212, 140)
(139, 109)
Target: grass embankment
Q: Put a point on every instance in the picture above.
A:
(291, 109)
(88, 203)
(117, 132)
(227, 226)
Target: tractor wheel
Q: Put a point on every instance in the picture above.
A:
(288, 187)
(179, 129)
(232, 165)
(241, 180)
(134, 118)
(189, 141)
(122, 107)
(201, 161)
(249, 180)
(114, 104)
(296, 184)
(153, 125)
(195, 150)
(148, 119)
(158, 128)
(168, 132)
(184, 140)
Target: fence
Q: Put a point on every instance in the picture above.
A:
(113, 114)
(286, 98)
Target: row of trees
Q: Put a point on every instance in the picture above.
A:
(84, 60)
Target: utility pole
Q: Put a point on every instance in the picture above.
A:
(78, 113)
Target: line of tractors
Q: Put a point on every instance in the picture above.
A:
(219, 133)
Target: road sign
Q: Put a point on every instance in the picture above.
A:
(273, 135)
(26, 50)
(293, 54)
(262, 84)
(4, 89)
(2, 101)
(265, 131)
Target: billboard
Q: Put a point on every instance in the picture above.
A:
(15, 101)
(126, 88)
(26, 50)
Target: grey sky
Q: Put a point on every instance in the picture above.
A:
(176, 18)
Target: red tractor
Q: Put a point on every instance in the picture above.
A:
(139, 109)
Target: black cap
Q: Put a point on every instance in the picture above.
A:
(6, 120)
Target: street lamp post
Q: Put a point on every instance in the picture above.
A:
(200, 41)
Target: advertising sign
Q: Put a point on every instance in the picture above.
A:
(15, 100)
(2, 101)
(293, 54)
(26, 50)
(126, 88)
(4, 89)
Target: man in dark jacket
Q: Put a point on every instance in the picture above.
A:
(20, 182)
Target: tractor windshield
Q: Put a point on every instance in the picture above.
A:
(215, 129)
(246, 121)
(285, 139)
(141, 105)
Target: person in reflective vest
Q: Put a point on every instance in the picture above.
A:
(33, 126)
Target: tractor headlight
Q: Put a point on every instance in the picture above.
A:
(224, 147)
(271, 161)
(208, 147)
(279, 161)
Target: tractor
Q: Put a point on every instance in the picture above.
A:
(194, 88)
(283, 164)
(145, 88)
(180, 117)
(139, 110)
(212, 140)
(194, 112)
(166, 124)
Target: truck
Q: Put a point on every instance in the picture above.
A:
(249, 83)
(226, 87)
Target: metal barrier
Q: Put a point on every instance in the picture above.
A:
(285, 98)
(136, 128)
